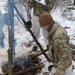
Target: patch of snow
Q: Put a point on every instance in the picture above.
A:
(21, 35)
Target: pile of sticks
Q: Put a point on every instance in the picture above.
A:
(23, 66)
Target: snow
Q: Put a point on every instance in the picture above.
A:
(22, 36)
(65, 23)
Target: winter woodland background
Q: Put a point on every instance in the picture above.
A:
(63, 12)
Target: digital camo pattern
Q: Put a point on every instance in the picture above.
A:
(39, 8)
(59, 49)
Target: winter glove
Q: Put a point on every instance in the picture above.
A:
(34, 48)
(29, 24)
(47, 46)
(50, 68)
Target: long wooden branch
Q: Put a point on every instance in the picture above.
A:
(32, 34)
(40, 54)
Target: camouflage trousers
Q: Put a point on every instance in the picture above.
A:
(67, 72)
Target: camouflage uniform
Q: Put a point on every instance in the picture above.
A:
(38, 9)
(59, 49)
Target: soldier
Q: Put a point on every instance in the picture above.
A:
(38, 7)
(58, 44)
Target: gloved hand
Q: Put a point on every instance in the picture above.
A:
(34, 48)
(50, 68)
(29, 24)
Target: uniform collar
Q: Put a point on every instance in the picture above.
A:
(54, 28)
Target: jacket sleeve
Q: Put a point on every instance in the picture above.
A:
(30, 3)
(61, 46)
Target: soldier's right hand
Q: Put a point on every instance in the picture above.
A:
(29, 24)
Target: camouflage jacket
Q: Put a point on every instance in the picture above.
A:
(39, 8)
(59, 47)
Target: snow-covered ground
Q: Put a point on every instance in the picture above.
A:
(21, 35)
